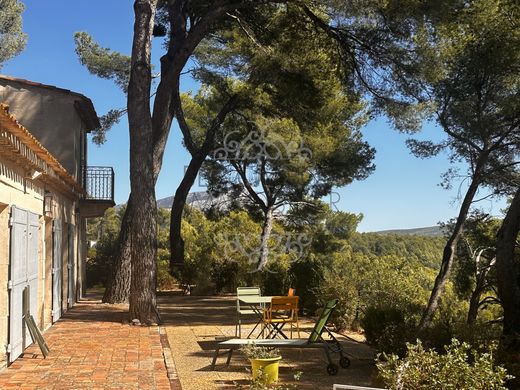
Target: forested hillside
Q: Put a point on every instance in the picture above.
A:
(426, 250)
(431, 231)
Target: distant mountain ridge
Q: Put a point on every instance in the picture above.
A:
(430, 231)
(202, 200)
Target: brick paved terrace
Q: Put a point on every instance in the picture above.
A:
(93, 347)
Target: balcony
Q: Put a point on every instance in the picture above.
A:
(99, 185)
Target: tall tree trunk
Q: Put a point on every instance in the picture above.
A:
(143, 305)
(474, 302)
(198, 155)
(264, 240)
(118, 289)
(508, 270)
(449, 251)
(182, 44)
(176, 241)
(508, 280)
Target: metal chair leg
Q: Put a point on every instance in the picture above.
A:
(327, 353)
(214, 359)
(229, 357)
(253, 330)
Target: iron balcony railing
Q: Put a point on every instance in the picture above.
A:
(99, 183)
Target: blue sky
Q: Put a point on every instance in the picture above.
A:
(403, 192)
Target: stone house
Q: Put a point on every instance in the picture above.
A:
(46, 193)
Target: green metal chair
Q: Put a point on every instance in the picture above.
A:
(315, 340)
(242, 291)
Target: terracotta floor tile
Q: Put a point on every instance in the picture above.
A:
(92, 347)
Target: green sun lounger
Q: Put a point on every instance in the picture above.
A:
(315, 340)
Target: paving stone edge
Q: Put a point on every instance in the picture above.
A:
(175, 383)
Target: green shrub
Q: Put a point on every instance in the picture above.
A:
(275, 279)
(253, 351)
(336, 285)
(459, 368)
(307, 274)
(361, 282)
(97, 270)
(481, 334)
(99, 262)
(165, 281)
(386, 329)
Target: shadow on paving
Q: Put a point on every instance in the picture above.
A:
(194, 326)
(91, 313)
(92, 347)
(90, 308)
(194, 310)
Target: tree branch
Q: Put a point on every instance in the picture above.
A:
(242, 173)
(181, 120)
(265, 187)
(217, 122)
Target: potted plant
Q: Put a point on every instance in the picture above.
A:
(264, 362)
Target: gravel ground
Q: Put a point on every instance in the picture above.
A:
(195, 324)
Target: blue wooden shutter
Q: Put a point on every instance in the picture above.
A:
(70, 266)
(56, 271)
(32, 265)
(23, 277)
(17, 281)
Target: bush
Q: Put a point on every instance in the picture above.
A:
(336, 284)
(460, 368)
(307, 275)
(366, 282)
(275, 279)
(165, 281)
(386, 329)
(99, 262)
(97, 271)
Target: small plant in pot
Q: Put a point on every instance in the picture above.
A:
(264, 362)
